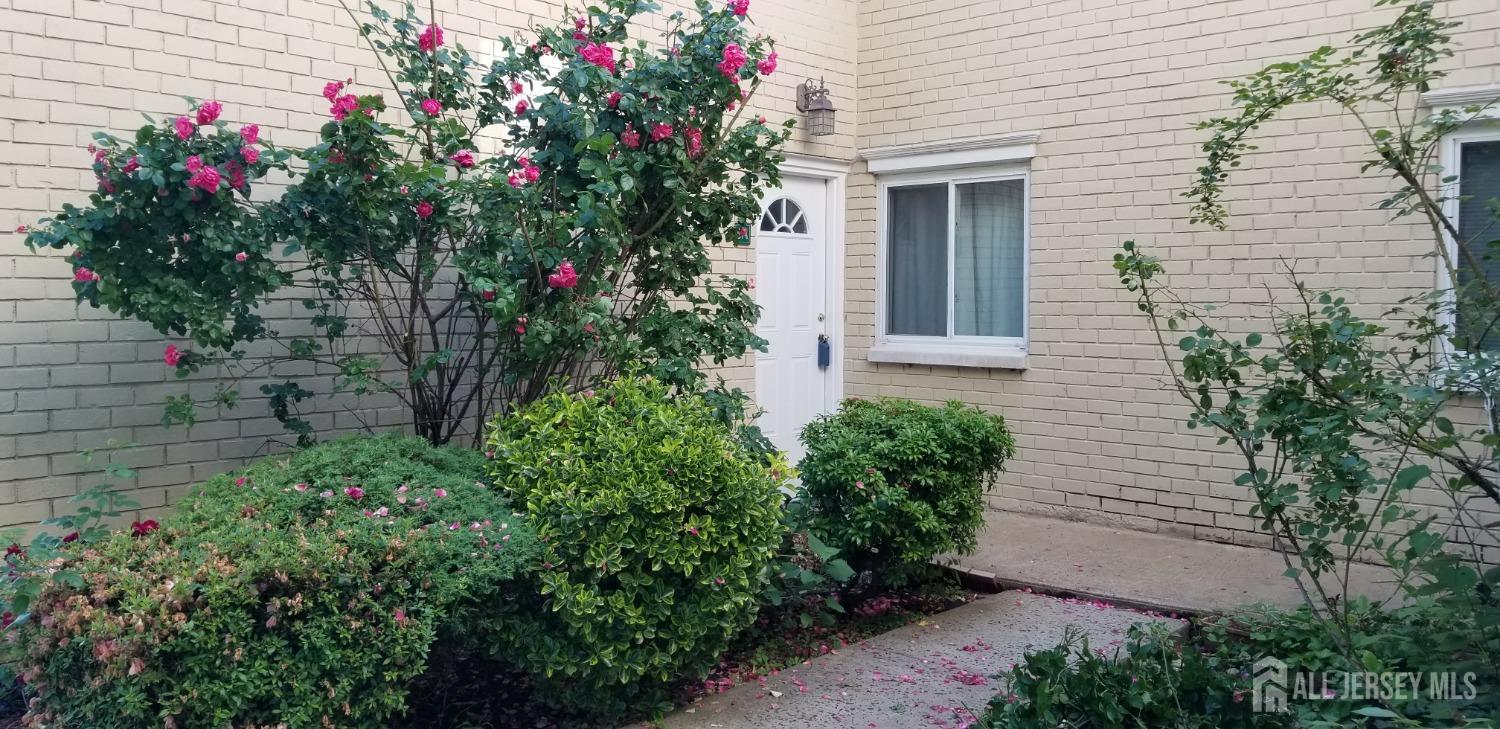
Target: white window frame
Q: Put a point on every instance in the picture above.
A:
(951, 349)
(1450, 160)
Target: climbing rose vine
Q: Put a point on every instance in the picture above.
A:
(497, 230)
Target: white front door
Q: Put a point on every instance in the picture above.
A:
(791, 245)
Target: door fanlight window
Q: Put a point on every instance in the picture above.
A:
(783, 216)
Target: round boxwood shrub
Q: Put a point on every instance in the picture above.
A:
(657, 534)
(304, 591)
(895, 483)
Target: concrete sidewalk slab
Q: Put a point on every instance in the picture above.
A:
(1163, 572)
(937, 673)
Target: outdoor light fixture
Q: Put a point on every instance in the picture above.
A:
(813, 99)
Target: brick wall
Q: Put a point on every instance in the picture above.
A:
(75, 378)
(1113, 88)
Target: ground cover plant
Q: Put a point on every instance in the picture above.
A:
(304, 590)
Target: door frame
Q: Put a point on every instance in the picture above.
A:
(834, 175)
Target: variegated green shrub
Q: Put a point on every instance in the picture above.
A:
(657, 530)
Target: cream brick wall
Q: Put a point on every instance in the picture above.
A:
(1113, 87)
(72, 378)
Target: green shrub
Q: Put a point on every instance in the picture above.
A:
(1151, 681)
(657, 530)
(895, 483)
(304, 591)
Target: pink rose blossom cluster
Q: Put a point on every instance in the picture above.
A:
(432, 107)
(661, 131)
(599, 55)
(204, 177)
(340, 106)
(430, 39)
(172, 355)
(694, 137)
(209, 111)
(733, 60)
(614, 99)
(84, 274)
(630, 137)
(424, 210)
(184, 127)
(739, 7)
(463, 158)
(250, 133)
(564, 277)
(522, 106)
(767, 66)
(528, 173)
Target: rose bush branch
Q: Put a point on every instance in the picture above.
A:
(539, 221)
(1342, 419)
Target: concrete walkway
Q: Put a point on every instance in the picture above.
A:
(1127, 567)
(937, 673)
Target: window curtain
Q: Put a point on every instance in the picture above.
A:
(1479, 188)
(917, 275)
(989, 283)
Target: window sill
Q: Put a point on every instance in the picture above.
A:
(1002, 358)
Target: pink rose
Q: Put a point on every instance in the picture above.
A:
(532, 173)
(241, 257)
(131, 165)
(517, 88)
(251, 155)
(193, 163)
(250, 133)
(739, 7)
(599, 55)
(579, 23)
(431, 107)
(513, 180)
(205, 179)
(331, 89)
(694, 137)
(463, 158)
(184, 127)
(84, 274)
(208, 111)
(171, 355)
(342, 106)
(660, 132)
(522, 106)
(564, 277)
(630, 137)
(430, 39)
(734, 59)
(424, 210)
(354, 492)
(614, 99)
(767, 66)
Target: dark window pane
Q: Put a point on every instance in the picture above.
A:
(917, 264)
(1479, 186)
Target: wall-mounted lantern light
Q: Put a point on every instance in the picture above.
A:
(813, 100)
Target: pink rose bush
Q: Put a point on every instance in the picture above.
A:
(603, 142)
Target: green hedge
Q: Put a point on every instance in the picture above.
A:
(658, 530)
(895, 483)
(304, 591)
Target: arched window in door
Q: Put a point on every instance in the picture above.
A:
(783, 215)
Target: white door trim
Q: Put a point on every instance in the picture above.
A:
(835, 175)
